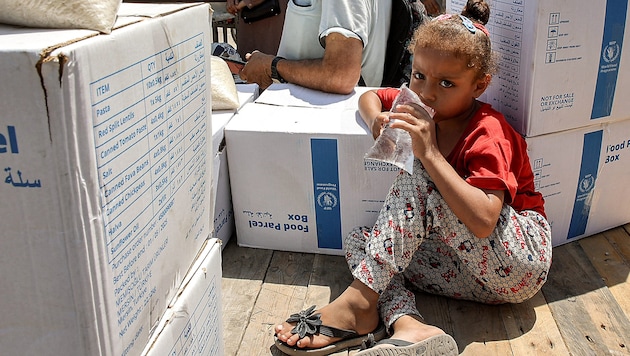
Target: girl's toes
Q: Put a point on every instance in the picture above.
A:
(281, 337)
(278, 328)
(305, 342)
(293, 340)
(285, 336)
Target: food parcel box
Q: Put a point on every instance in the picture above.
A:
(560, 63)
(105, 150)
(583, 176)
(298, 176)
(192, 324)
(222, 197)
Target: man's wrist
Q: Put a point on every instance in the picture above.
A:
(274, 70)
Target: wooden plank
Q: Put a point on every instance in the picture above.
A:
(531, 328)
(478, 328)
(243, 273)
(588, 316)
(282, 293)
(329, 279)
(619, 238)
(435, 311)
(586, 293)
(610, 264)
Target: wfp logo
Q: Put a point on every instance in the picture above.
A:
(611, 52)
(586, 184)
(327, 200)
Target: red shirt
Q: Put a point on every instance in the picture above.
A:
(491, 155)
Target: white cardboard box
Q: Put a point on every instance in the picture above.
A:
(222, 209)
(223, 222)
(299, 180)
(561, 64)
(192, 324)
(294, 95)
(247, 93)
(105, 149)
(583, 176)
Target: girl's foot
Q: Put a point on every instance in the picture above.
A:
(413, 337)
(411, 328)
(355, 309)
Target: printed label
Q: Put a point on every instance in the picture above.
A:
(326, 192)
(614, 27)
(588, 175)
(150, 132)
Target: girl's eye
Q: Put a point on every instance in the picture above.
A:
(418, 75)
(446, 83)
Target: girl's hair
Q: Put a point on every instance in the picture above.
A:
(462, 36)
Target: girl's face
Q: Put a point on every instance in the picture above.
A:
(445, 83)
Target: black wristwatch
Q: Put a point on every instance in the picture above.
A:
(274, 70)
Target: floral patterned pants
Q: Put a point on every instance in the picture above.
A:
(419, 239)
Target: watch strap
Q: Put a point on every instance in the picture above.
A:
(274, 70)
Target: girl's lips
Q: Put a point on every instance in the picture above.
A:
(428, 109)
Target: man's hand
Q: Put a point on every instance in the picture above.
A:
(257, 69)
(432, 6)
(338, 72)
(232, 6)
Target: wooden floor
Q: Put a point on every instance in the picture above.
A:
(583, 309)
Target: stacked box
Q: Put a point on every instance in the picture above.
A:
(192, 324)
(561, 63)
(105, 147)
(222, 209)
(559, 79)
(297, 171)
(582, 173)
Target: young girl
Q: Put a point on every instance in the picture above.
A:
(467, 223)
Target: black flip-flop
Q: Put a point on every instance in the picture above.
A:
(311, 324)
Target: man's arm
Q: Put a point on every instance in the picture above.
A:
(338, 72)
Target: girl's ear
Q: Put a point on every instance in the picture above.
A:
(482, 85)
